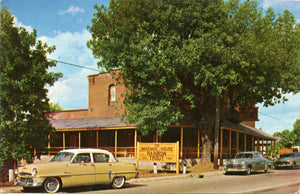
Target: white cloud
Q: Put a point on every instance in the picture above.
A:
(17, 23)
(71, 91)
(72, 10)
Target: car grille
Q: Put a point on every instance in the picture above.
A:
(25, 174)
(236, 166)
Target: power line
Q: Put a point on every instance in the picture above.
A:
(270, 116)
(72, 64)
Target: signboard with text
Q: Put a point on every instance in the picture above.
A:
(158, 152)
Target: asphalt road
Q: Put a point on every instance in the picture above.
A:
(275, 181)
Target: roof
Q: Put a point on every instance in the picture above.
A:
(90, 122)
(84, 150)
(246, 129)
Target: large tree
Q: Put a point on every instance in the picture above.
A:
(23, 96)
(179, 59)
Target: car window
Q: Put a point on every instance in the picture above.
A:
(100, 157)
(63, 157)
(244, 155)
(84, 157)
(260, 156)
(287, 155)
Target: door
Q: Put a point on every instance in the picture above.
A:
(103, 168)
(82, 170)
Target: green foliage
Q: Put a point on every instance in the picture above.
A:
(296, 132)
(176, 56)
(54, 106)
(23, 96)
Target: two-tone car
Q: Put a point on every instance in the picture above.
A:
(287, 160)
(76, 167)
(247, 162)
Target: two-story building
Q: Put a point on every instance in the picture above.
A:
(101, 126)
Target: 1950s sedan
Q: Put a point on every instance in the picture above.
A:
(291, 160)
(76, 167)
(247, 162)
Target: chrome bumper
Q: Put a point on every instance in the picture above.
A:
(27, 182)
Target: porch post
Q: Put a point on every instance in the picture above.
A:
(267, 152)
(97, 139)
(245, 142)
(116, 142)
(221, 145)
(49, 146)
(79, 139)
(252, 143)
(237, 142)
(229, 143)
(257, 144)
(198, 145)
(181, 141)
(64, 140)
(135, 142)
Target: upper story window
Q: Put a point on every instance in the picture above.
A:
(111, 94)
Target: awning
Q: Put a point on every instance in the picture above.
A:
(91, 122)
(246, 129)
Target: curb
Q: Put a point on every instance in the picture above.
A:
(193, 175)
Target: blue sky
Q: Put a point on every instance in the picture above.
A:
(63, 23)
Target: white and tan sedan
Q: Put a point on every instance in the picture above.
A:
(76, 167)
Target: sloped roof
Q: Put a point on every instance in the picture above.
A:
(91, 122)
(247, 129)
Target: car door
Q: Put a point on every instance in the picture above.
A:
(82, 170)
(103, 167)
(261, 162)
(297, 158)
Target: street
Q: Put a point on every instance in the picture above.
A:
(275, 181)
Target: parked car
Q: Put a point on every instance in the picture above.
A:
(291, 160)
(76, 167)
(247, 162)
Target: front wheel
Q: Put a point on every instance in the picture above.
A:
(248, 172)
(118, 182)
(51, 185)
(267, 168)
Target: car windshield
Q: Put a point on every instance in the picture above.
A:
(63, 157)
(244, 155)
(287, 155)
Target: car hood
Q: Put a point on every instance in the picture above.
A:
(42, 167)
(284, 159)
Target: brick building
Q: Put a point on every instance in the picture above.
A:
(101, 126)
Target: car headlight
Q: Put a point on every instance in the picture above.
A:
(34, 171)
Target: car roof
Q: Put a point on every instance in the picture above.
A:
(84, 150)
(249, 152)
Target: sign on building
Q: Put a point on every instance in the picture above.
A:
(158, 152)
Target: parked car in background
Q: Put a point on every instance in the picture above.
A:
(76, 167)
(291, 160)
(247, 162)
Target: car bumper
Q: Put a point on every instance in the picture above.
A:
(283, 165)
(28, 181)
(235, 170)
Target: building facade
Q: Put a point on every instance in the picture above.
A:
(101, 125)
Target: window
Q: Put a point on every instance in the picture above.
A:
(100, 157)
(85, 157)
(111, 94)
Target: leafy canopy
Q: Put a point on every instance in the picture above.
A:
(176, 55)
(23, 96)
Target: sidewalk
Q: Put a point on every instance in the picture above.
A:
(17, 189)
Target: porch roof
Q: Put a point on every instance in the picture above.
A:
(91, 122)
(247, 129)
